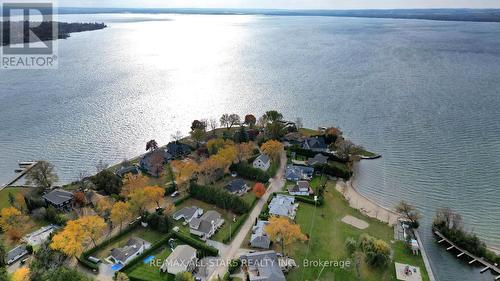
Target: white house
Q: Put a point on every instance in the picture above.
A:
(262, 162)
(182, 259)
(283, 206)
(300, 188)
(259, 238)
(206, 225)
(188, 213)
(135, 246)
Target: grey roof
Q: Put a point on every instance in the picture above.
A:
(236, 185)
(259, 237)
(125, 170)
(300, 185)
(178, 149)
(58, 196)
(294, 171)
(186, 212)
(263, 266)
(263, 157)
(182, 254)
(315, 143)
(132, 246)
(146, 159)
(204, 223)
(318, 159)
(16, 253)
(282, 205)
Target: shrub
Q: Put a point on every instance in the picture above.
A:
(181, 200)
(310, 153)
(333, 170)
(205, 250)
(219, 197)
(159, 222)
(250, 173)
(377, 252)
(108, 182)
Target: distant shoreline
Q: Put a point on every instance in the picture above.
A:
(469, 15)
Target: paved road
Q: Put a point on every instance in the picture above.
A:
(277, 184)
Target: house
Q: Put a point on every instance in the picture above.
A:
(153, 161)
(15, 254)
(315, 143)
(262, 162)
(40, 236)
(127, 170)
(134, 247)
(93, 197)
(283, 206)
(188, 213)
(296, 173)
(59, 199)
(300, 188)
(263, 266)
(182, 259)
(178, 149)
(318, 159)
(259, 238)
(237, 186)
(206, 225)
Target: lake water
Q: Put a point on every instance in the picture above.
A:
(425, 94)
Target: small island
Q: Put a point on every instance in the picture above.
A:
(43, 30)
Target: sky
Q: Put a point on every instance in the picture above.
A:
(284, 4)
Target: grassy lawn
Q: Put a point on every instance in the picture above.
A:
(151, 271)
(4, 195)
(145, 233)
(404, 255)
(308, 132)
(328, 234)
(341, 166)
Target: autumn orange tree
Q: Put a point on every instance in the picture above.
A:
(259, 189)
(283, 231)
(77, 234)
(244, 150)
(132, 182)
(104, 206)
(209, 167)
(184, 169)
(21, 274)
(120, 213)
(273, 149)
(11, 218)
(154, 194)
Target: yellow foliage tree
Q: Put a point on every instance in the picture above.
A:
(93, 226)
(214, 145)
(11, 218)
(184, 169)
(154, 194)
(244, 150)
(120, 213)
(283, 231)
(21, 274)
(132, 182)
(228, 155)
(77, 234)
(104, 206)
(20, 203)
(273, 149)
(208, 168)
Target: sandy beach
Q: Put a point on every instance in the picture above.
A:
(365, 205)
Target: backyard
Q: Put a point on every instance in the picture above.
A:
(327, 242)
(150, 270)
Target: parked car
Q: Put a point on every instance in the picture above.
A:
(174, 194)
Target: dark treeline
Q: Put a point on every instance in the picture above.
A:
(44, 31)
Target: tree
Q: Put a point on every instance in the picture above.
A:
(184, 169)
(12, 199)
(154, 194)
(104, 206)
(42, 175)
(3, 254)
(197, 124)
(272, 116)
(377, 252)
(70, 240)
(108, 182)
(214, 145)
(64, 273)
(198, 135)
(345, 148)
(177, 136)
(244, 151)
(281, 230)
(273, 149)
(151, 145)
(79, 198)
(409, 212)
(11, 218)
(209, 167)
(213, 126)
(20, 202)
(132, 182)
(120, 276)
(157, 161)
(259, 190)
(250, 120)
(271, 120)
(101, 166)
(184, 276)
(93, 227)
(21, 274)
(120, 213)
(229, 120)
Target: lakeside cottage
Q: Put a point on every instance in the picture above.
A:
(134, 247)
(149, 162)
(59, 199)
(259, 238)
(206, 225)
(262, 162)
(300, 188)
(178, 149)
(40, 236)
(182, 259)
(15, 254)
(318, 159)
(296, 173)
(263, 266)
(237, 186)
(315, 144)
(283, 206)
(134, 170)
(188, 213)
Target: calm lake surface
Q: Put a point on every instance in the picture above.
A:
(425, 94)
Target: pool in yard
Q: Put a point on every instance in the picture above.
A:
(149, 259)
(116, 267)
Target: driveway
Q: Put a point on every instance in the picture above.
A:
(277, 184)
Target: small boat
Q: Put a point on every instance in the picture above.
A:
(18, 170)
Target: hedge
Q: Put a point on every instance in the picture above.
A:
(181, 200)
(83, 259)
(205, 250)
(219, 197)
(235, 228)
(250, 173)
(332, 170)
(310, 153)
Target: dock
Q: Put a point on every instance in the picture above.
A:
(472, 258)
(25, 167)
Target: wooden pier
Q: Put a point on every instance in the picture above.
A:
(473, 259)
(26, 167)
